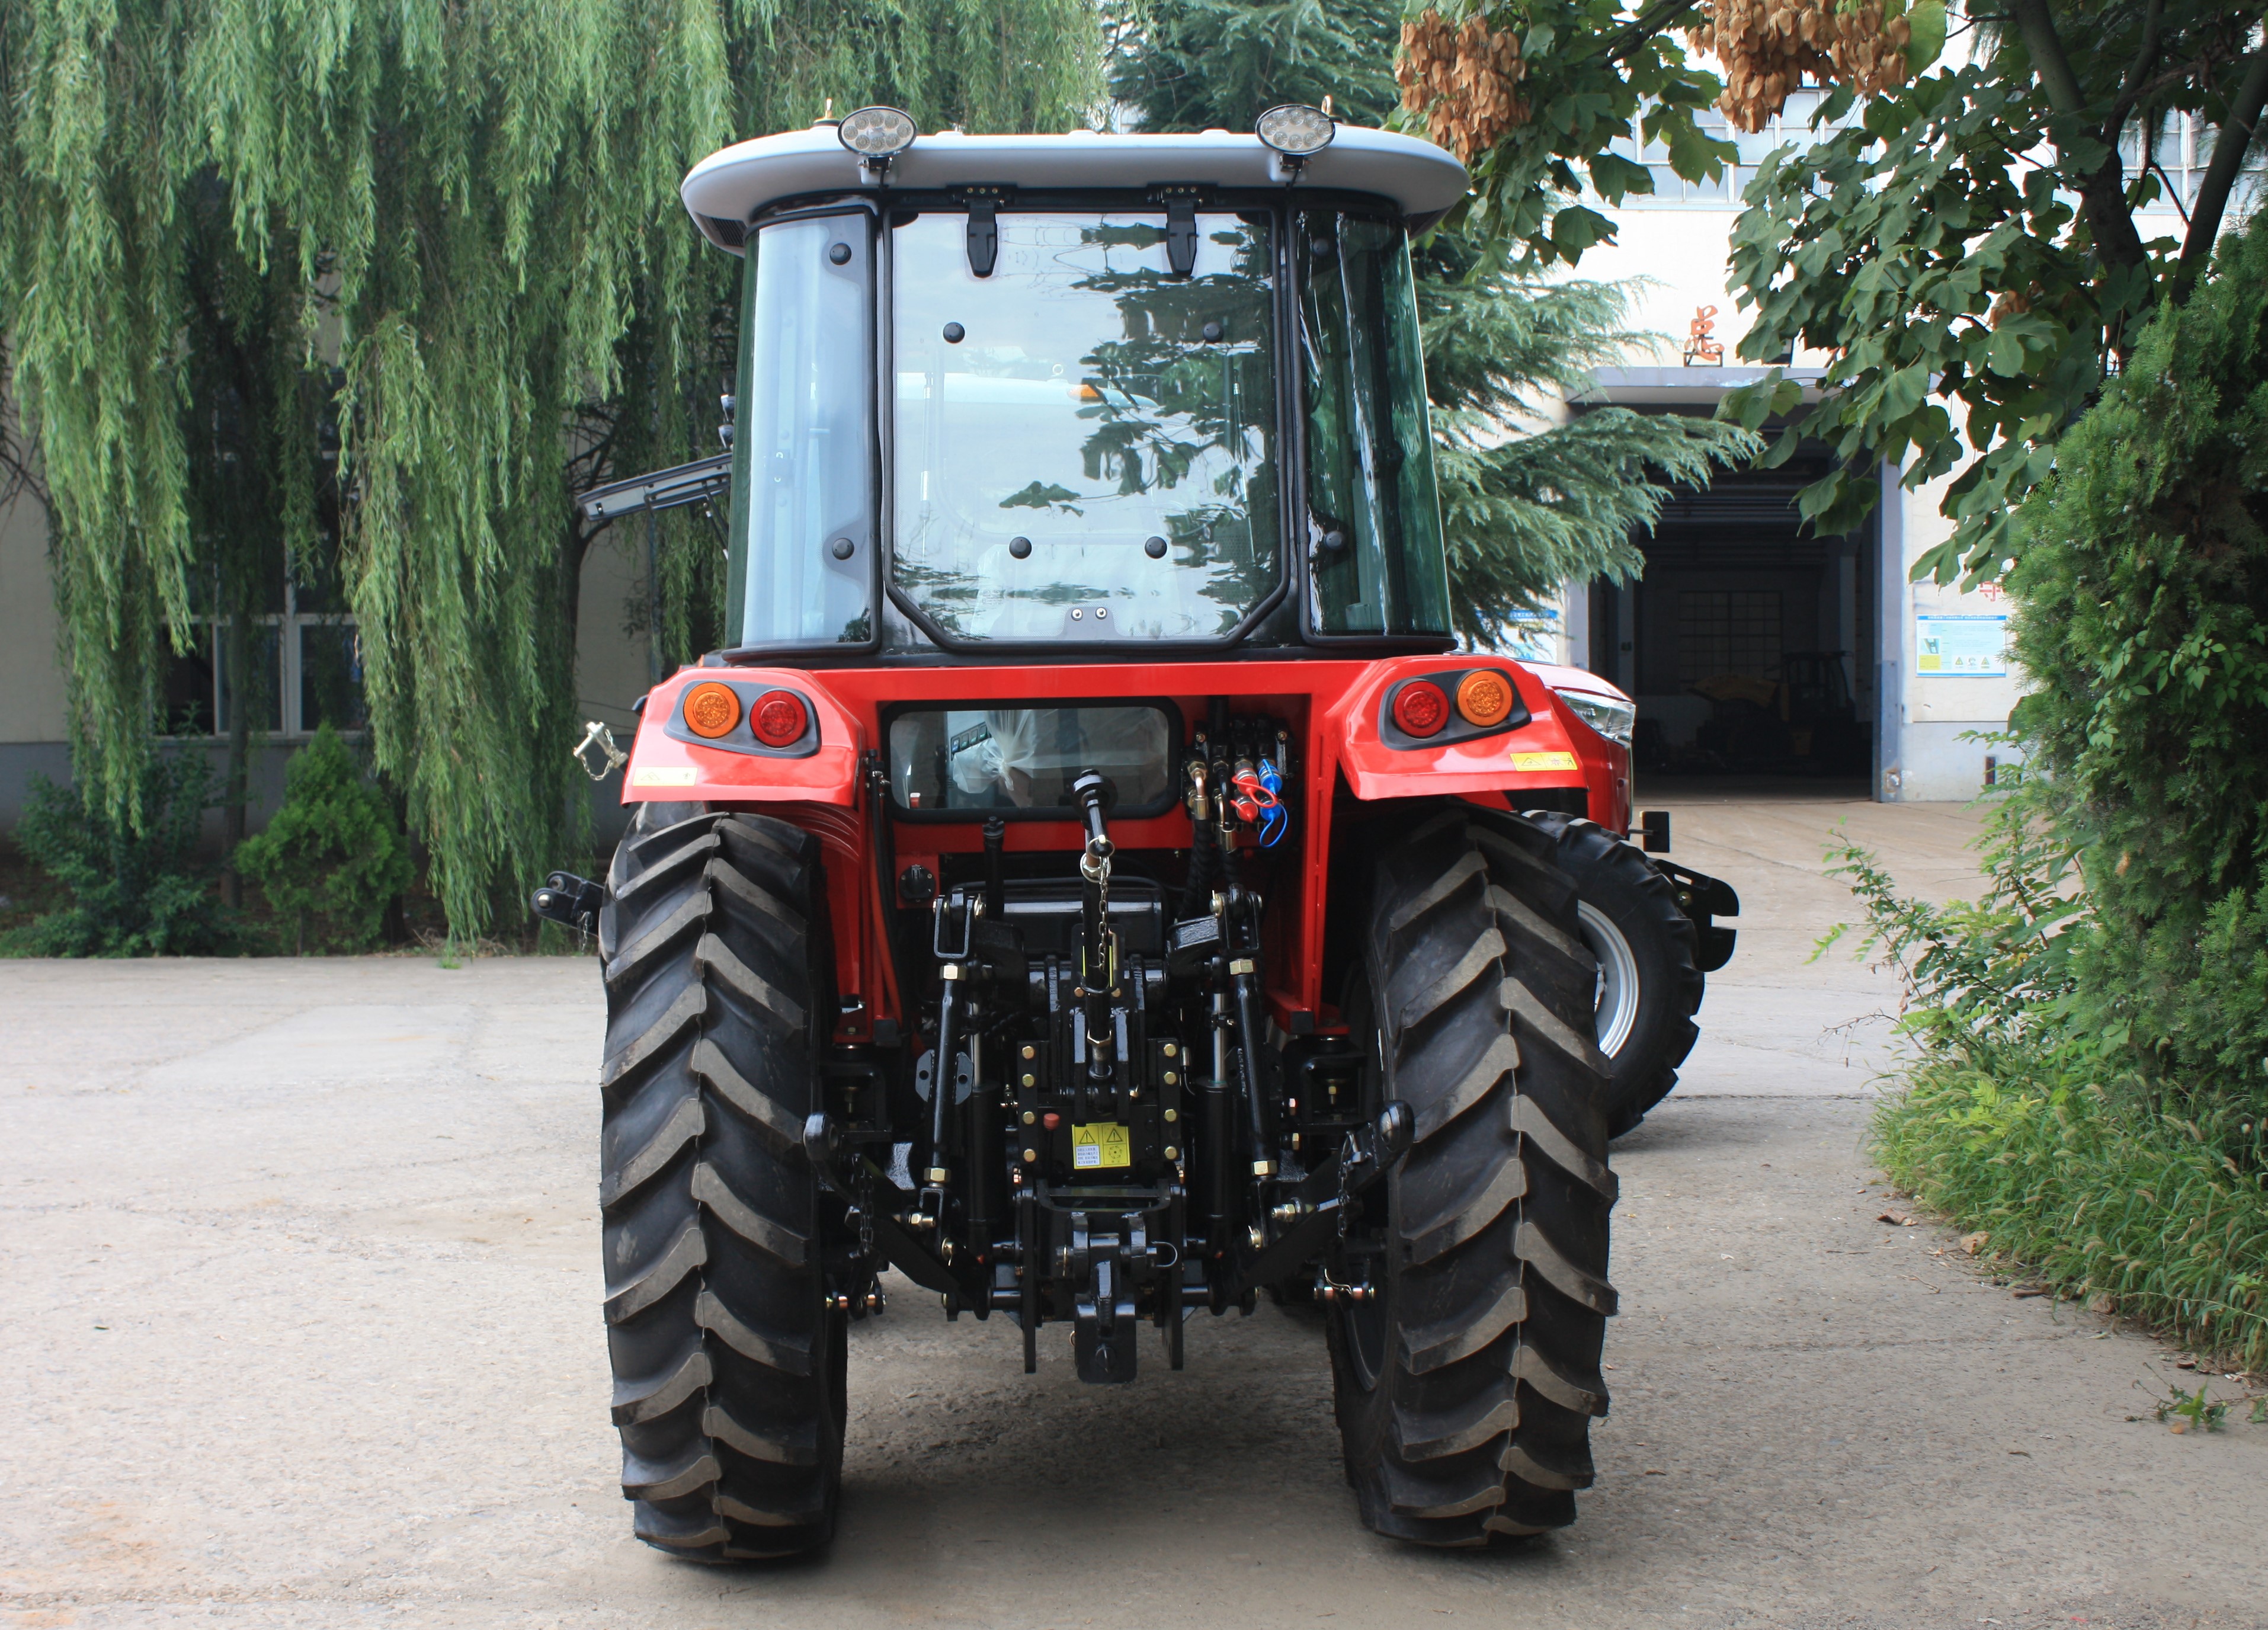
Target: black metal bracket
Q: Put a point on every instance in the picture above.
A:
(1315, 1212)
(889, 1242)
(1703, 898)
(984, 205)
(1180, 228)
(570, 901)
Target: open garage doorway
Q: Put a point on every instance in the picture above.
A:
(1748, 643)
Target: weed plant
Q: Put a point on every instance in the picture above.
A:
(2021, 1121)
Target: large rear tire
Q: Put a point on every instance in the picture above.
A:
(1466, 1385)
(728, 1364)
(1650, 983)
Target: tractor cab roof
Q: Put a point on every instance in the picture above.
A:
(731, 188)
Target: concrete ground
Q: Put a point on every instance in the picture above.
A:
(303, 1329)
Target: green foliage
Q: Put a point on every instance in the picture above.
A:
(2019, 1120)
(2101, 1197)
(1591, 66)
(2195, 1410)
(134, 890)
(332, 857)
(1219, 65)
(1526, 505)
(1974, 239)
(472, 211)
(2142, 617)
(1993, 970)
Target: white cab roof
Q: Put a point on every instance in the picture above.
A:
(1421, 179)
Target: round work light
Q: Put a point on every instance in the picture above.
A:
(1421, 708)
(1484, 696)
(710, 710)
(779, 719)
(1296, 131)
(877, 134)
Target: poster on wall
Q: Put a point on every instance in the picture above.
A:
(1960, 647)
(1534, 636)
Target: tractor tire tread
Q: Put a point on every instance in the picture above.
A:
(1497, 1268)
(727, 1360)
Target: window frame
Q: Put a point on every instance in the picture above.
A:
(878, 487)
(291, 624)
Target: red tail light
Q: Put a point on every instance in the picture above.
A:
(779, 719)
(1421, 707)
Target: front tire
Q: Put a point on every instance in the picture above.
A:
(728, 1364)
(1650, 984)
(1466, 1385)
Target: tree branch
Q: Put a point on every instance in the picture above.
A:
(2230, 143)
(1645, 25)
(2104, 192)
(2144, 60)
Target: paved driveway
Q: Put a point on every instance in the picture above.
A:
(303, 1330)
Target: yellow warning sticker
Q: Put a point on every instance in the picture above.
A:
(665, 775)
(1543, 761)
(1103, 1144)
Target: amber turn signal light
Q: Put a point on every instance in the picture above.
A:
(710, 710)
(1421, 708)
(779, 719)
(1484, 696)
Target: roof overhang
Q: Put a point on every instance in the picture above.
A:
(1684, 387)
(732, 186)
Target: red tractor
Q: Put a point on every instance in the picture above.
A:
(1093, 883)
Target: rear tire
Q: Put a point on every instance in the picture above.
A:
(1651, 984)
(1465, 1389)
(728, 1364)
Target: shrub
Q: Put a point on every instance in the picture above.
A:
(2141, 613)
(333, 858)
(134, 890)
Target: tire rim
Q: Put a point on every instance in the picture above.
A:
(1617, 995)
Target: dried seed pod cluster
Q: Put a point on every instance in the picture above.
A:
(1771, 47)
(1463, 80)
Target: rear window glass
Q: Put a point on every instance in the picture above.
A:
(1085, 444)
(1012, 759)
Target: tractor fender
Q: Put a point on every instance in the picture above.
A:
(1553, 750)
(670, 762)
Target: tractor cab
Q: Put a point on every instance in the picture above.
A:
(1017, 397)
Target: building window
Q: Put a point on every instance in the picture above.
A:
(1791, 129)
(307, 671)
(1727, 631)
(2178, 154)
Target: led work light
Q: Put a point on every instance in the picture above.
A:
(877, 134)
(1296, 131)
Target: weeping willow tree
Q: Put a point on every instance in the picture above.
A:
(457, 227)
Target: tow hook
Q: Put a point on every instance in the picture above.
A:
(570, 901)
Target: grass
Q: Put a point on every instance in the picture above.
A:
(2137, 1214)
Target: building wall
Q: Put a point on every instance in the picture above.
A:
(1675, 257)
(610, 673)
(31, 720)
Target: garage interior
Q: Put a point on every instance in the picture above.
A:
(1748, 642)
